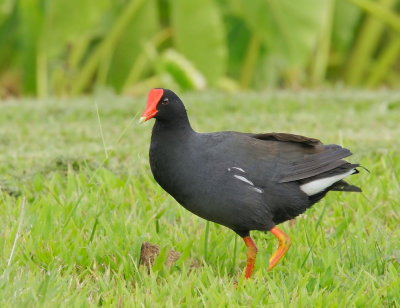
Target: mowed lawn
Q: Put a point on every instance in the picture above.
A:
(90, 202)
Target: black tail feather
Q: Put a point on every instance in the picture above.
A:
(344, 186)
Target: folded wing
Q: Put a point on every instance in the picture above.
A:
(307, 159)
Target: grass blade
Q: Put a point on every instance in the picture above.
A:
(21, 214)
(206, 235)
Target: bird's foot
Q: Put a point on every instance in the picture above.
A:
(251, 256)
(284, 244)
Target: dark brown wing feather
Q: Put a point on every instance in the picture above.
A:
(308, 157)
(315, 164)
(285, 137)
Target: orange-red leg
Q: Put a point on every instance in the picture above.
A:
(251, 256)
(284, 244)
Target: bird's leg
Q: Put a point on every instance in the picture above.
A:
(251, 256)
(284, 244)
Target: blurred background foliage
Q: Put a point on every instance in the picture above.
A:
(71, 47)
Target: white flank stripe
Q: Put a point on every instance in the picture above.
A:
(237, 168)
(319, 185)
(259, 190)
(242, 178)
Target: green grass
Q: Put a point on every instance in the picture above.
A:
(91, 201)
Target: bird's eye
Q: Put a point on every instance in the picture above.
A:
(165, 101)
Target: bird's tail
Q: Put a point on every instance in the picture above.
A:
(342, 185)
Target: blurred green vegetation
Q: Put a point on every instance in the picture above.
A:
(71, 47)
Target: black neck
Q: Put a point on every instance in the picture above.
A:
(178, 123)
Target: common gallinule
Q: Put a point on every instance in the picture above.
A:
(243, 181)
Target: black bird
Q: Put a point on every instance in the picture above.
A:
(243, 181)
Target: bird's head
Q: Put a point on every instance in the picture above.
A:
(162, 104)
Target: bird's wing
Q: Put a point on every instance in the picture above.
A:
(301, 157)
(285, 137)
